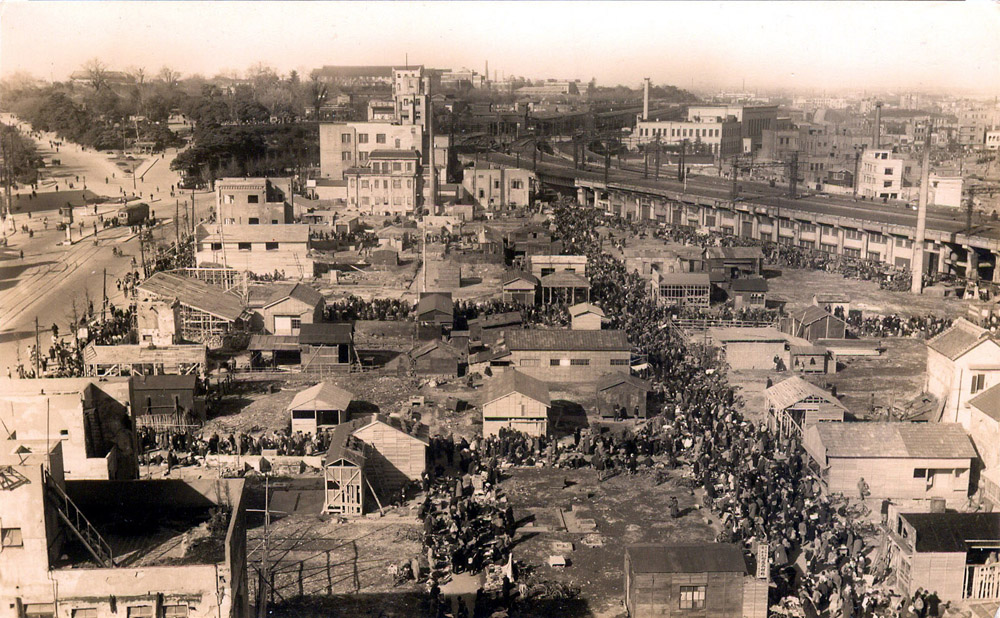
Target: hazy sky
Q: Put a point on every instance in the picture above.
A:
(871, 45)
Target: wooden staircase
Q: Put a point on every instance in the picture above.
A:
(78, 524)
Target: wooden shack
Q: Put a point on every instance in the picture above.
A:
(348, 489)
(794, 405)
(897, 460)
(749, 293)
(586, 316)
(327, 346)
(400, 450)
(517, 401)
(519, 287)
(622, 395)
(319, 407)
(436, 358)
(952, 554)
(707, 579)
(436, 309)
(813, 323)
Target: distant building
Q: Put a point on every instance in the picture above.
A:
(961, 363)
(681, 289)
(984, 429)
(567, 355)
(708, 579)
(389, 185)
(945, 191)
(735, 262)
(516, 401)
(436, 308)
(550, 88)
(499, 187)
(260, 249)
(881, 175)
(897, 460)
(721, 139)
(254, 201)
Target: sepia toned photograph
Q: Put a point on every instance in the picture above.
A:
(499, 309)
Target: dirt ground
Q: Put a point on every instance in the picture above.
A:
(896, 376)
(626, 509)
(798, 286)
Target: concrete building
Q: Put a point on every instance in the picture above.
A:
(344, 145)
(946, 552)
(984, 429)
(753, 119)
(962, 362)
(708, 579)
(254, 201)
(90, 418)
(991, 139)
(499, 187)
(391, 183)
(542, 265)
(567, 355)
(721, 139)
(911, 461)
(117, 548)
(260, 249)
(945, 191)
(881, 175)
(516, 401)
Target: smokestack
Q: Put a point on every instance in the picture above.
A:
(917, 265)
(645, 99)
(878, 125)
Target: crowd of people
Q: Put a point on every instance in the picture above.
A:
(356, 308)
(199, 445)
(923, 327)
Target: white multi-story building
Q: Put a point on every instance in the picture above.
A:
(881, 175)
(945, 190)
(720, 138)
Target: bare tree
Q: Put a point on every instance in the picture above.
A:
(96, 73)
(169, 77)
(319, 92)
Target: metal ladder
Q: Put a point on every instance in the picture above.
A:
(73, 517)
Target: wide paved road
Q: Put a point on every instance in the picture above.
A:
(51, 276)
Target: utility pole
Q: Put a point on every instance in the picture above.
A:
(104, 294)
(142, 252)
(656, 171)
(793, 176)
(607, 162)
(917, 265)
(192, 211)
(645, 162)
(38, 352)
(680, 161)
(177, 222)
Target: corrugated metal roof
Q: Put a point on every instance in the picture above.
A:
(793, 390)
(812, 314)
(951, 532)
(326, 333)
(567, 340)
(323, 396)
(959, 339)
(95, 354)
(988, 402)
(685, 279)
(750, 285)
(929, 440)
(513, 381)
(298, 291)
(701, 558)
(194, 293)
(513, 275)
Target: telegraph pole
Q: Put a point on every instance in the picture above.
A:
(38, 352)
(192, 211)
(680, 161)
(917, 265)
(104, 294)
(656, 171)
(177, 223)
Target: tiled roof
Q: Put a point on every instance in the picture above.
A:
(298, 291)
(323, 396)
(812, 314)
(560, 340)
(513, 275)
(988, 402)
(959, 339)
(793, 390)
(582, 308)
(513, 381)
(194, 293)
(930, 440)
(435, 301)
(700, 558)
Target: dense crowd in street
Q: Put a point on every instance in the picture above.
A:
(356, 308)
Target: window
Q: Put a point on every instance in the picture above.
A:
(39, 610)
(886, 184)
(850, 234)
(364, 184)
(296, 323)
(516, 184)
(978, 382)
(253, 221)
(216, 246)
(243, 246)
(529, 362)
(854, 253)
(919, 473)
(362, 138)
(875, 256)
(140, 611)
(175, 611)
(85, 612)
(380, 138)
(397, 183)
(253, 199)
(345, 138)
(11, 537)
(230, 221)
(270, 246)
(345, 156)
(692, 597)
(888, 171)
(877, 238)
(409, 183)
(397, 166)
(555, 362)
(618, 362)
(807, 228)
(579, 362)
(904, 243)
(397, 143)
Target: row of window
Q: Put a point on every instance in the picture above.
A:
(246, 246)
(570, 362)
(250, 221)
(231, 199)
(397, 183)
(48, 610)
(681, 132)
